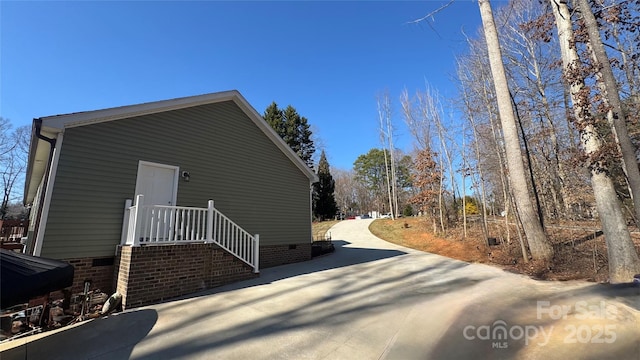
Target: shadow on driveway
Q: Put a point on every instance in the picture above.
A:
(308, 307)
(112, 337)
(596, 321)
(341, 257)
(115, 336)
(344, 299)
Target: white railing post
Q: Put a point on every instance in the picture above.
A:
(256, 253)
(125, 222)
(210, 210)
(138, 220)
(161, 224)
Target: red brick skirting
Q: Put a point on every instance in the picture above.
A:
(151, 274)
(275, 255)
(97, 270)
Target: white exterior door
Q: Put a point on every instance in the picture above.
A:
(158, 183)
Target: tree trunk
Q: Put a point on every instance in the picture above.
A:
(447, 156)
(499, 152)
(623, 259)
(384, 110)
(629, 161)
(440, 193)
(394, 178)
(627, 65)
(464, 191)
(523, 247)
(526, 53)
(527, 153)
(479, 184)
(538, 244)
(386, 167)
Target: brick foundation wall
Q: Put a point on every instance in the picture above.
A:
(98, 270)
(204, 266)
(274, 255)
(151, 274)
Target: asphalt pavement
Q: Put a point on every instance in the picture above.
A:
(368, 300)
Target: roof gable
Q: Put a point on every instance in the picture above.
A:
(110, 114)
(56, 124)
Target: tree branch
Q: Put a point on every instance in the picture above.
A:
(431, 14)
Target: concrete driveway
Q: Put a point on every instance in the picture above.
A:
(368, 300)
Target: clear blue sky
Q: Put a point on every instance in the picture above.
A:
(327, 59)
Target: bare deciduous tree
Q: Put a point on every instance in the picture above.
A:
(612, 98)
(14, 147)
(538, 243)
(346, 193)
(420, 114)
(623, 259)
(386, 138)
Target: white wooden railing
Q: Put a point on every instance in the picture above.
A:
(159, 225)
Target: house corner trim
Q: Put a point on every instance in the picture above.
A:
(47, 196)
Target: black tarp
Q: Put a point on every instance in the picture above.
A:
(23, 277)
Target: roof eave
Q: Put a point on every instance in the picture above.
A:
(37, 165)
(54, 124)
(127, 111)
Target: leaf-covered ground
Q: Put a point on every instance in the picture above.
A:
(580, 250)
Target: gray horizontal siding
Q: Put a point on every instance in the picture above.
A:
(230, 161)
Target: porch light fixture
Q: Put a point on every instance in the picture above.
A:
(186, 176)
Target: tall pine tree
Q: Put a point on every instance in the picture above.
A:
(293, 129)
(324, 205)
(274, 117)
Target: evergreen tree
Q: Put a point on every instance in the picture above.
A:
(274, 117)
(324, 205)
(293, 129)
(370, 171)
(407, 211)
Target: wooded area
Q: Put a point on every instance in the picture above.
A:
(544, 131)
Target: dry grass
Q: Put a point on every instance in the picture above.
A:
(319, 229)
(416, 233)
(578, 253)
